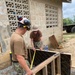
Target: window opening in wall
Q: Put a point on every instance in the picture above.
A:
(16, 8)
(51, 16)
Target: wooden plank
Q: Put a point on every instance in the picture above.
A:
(53, 67)
(61, 69)
(45, 70)
(40, 56)
(53, 41)
(65, 64)
(42, 65)
(58, 66)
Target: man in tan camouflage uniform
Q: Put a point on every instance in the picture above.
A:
(18, 48)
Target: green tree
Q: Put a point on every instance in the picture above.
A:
(67, 21)
(74, 19)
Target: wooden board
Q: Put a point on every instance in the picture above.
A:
(41, 56)
(53, 42)
(65, 64)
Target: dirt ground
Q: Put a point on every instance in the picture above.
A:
(68, 44)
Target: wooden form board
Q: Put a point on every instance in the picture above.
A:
(53, 41)
(65, 64)
(41, 56)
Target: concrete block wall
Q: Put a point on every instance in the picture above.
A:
(4, 35)
(37, 17)
(4, 22)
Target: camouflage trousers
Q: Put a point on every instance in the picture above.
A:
(38, 45)
(19, 69)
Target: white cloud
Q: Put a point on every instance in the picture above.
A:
(69, 9)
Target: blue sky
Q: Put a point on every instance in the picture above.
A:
(69, 9)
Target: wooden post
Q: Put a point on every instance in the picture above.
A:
(53, 67)
(45, 70)
(59, 66)
(46, 62)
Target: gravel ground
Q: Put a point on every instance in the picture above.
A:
(73, 71)
(8, 71)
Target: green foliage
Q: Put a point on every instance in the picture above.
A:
(74, 18)
(67, 21)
